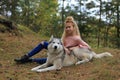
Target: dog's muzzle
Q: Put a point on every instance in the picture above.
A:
(55, 47)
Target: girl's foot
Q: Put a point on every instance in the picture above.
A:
(23, 59)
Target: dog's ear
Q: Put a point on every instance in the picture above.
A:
(51, 38)
(61, 41)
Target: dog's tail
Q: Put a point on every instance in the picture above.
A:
(104, 54)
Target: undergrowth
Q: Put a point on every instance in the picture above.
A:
(12, 47)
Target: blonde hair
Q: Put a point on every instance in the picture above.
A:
(76, 30)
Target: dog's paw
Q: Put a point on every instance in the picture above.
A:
(41, 70)
(33, 69)
(38, 71)
(77, 63)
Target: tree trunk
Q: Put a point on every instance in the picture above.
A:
(118, 27)
(100, 24)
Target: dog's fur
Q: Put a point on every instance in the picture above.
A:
(58, 58)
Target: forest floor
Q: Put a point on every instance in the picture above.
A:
(11, 47)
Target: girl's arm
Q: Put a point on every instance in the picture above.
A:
(67, 51)
(83, 43)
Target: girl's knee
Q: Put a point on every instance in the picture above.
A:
(44, 43)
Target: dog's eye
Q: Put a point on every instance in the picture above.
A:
(53, 42)
(58, 43)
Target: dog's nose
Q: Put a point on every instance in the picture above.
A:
(55, 47)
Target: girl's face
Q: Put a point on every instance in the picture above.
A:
(69, 29)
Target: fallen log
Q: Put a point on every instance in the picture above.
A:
(10, 26)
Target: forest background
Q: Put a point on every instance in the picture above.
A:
(98, 20)
(25, 23)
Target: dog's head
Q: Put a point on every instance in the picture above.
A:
(55, 45)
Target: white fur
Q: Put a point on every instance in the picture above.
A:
(58, 58)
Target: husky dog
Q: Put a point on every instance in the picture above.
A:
(58, 58)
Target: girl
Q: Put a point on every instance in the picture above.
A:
(71, 38)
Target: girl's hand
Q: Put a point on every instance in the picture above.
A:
(67, 51)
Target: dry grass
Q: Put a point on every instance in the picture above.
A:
(13, 46)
